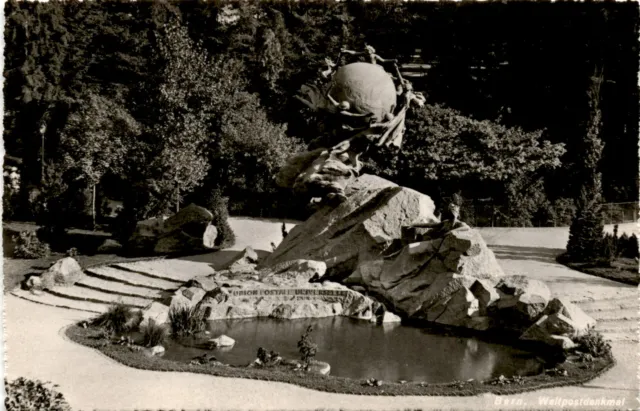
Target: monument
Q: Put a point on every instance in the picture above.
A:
(360, 105)
(374, 249)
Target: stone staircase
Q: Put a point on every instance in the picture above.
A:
(135, 284)
(138, 284)
(617, 319)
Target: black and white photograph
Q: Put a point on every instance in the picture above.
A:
(320, 205)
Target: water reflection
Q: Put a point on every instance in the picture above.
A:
(358, 349)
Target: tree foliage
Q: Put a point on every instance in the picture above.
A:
(444, 148)
(587, 227)
(96, 138)
(211, 86)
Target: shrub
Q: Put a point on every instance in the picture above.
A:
(154, 334)
(267, 358)
(29, 246)
(186, 320)
(118, 319)
(307, 347)
(628, 246)
(24, 394)
(593, 343)
(608, 250)
(218, 205)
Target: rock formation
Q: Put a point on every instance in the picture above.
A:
(385, 241)
(64, 272)
(188, 230)
(358, 229)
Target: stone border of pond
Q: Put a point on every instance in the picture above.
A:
(567, 373)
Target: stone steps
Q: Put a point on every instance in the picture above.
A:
(62, 302)
(609, 305)
(630, 326)
(615, 336)
(87, 294)
(620, 314)
(170, 270)
(115, 287)
(132, 278)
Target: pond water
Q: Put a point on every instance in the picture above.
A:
(359, 349)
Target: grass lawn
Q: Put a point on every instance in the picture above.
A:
(624, 270)
(576, 373)
(15, 270)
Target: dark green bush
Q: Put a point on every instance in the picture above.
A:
(593, 343)
(117, 319)
(609, 249)
(218, 205)
(154, 334)
(185, 320)
(307, 348)
(628, 246)
(23, 394)
(28, 245)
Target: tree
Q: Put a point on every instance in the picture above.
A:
(250, 164)
(185, 98)
(307, 348)
(35, 76)
(587, 227)
(96, 140)
(444, 150)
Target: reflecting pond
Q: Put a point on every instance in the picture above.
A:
(359, 349)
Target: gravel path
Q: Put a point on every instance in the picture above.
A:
(37, 348)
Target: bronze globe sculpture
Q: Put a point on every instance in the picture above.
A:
(363, 106)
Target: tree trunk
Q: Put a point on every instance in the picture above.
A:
(177, 198)
(93, 206)
(42, 157)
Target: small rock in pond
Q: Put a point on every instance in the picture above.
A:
(222, 341)
(389, 317)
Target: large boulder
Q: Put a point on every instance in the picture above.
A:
(486, 295)
(180, 241)
(64, 272)
(522, 300)
(581, 322)
(146, 234)
(187, 297)
(189, 230)
(156, 312)
(560, 323)
(421, 280)
(191, 215)
(358, 229)
(459, 308)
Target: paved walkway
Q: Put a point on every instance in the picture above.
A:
(37, 348)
